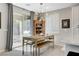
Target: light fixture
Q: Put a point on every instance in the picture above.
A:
(41, 3)
(41, 7)
(40, 11)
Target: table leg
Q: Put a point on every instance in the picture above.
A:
(53, 43)
(23, 47)
(33, 50)
(30, 49)
(38, 51)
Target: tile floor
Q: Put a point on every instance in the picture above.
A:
(45, 51)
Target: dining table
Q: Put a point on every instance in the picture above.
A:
(35, 39)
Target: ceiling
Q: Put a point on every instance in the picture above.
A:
(43, 7)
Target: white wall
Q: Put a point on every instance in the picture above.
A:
(3, 30)
(65, 33)
(52, 23)
(60, 34)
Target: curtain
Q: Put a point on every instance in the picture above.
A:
(9, 41)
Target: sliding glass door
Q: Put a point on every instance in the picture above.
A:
(27, 27)
(21, 25)
(17, 30)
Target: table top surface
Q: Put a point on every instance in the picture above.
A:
(35, 37)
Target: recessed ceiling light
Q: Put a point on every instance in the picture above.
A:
(27, 4)
(41, 3)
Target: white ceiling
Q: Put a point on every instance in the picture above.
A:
(36, 7)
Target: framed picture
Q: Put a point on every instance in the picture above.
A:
(0, 20)
(66, 23)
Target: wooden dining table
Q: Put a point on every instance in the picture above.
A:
(34, 39)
